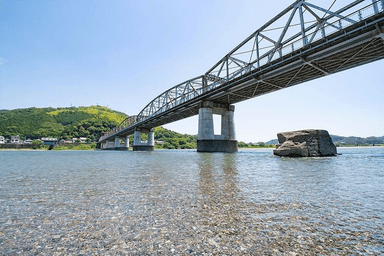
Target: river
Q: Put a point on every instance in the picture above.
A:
(180, 202)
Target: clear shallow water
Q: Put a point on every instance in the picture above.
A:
(184, 202)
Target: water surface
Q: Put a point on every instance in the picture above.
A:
(184, 202)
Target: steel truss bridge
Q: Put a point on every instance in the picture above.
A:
(303, 42)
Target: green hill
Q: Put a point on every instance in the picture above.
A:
(173, 140)
(62, 123)
(74, 122)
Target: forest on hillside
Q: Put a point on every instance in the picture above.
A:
(173, 140)
(74, 122)
(62, 123)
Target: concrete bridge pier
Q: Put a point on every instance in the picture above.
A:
(108, 144)
(148, 145)
(117, 142)
(126, 142)
(207, 141)
(118, 145)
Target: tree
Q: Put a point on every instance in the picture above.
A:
(242, 144)
(36, 144)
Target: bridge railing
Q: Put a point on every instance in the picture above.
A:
(259, 50)
(124, 124)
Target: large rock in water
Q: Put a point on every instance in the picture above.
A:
(305, 143)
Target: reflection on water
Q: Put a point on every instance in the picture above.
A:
(184, 202)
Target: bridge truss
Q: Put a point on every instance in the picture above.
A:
(303, 42)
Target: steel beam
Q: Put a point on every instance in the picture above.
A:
(314, 66)
(379, 31)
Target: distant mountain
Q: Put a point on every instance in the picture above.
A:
(336, 138)
(351, 140)
(272, 142)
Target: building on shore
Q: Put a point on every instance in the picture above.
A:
(2, 140)
(15, 139)
(79, 140)
(49, 141)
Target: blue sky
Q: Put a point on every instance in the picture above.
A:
(122, 54)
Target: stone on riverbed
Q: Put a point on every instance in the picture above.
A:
(305, 143)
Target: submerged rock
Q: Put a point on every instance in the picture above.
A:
(305, 143)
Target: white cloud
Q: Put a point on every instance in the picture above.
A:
(2, 61)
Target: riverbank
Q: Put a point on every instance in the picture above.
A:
(21, 149)
(57, 148)
(82, 148)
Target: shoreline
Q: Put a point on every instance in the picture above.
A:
(40, 150)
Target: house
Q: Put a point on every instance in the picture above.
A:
(2, 140)
(81, 140)
(49, 141)
(15, 139)
(28, 141)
